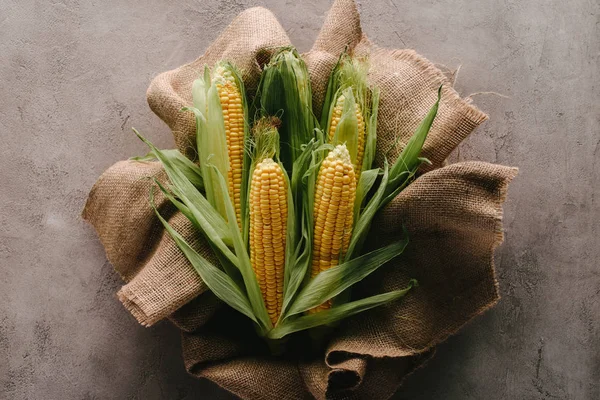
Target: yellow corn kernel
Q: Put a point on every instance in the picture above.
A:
(336, 115)
(268, 228)
(333, 212)
(233, 116)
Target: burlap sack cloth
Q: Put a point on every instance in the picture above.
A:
(453, 214)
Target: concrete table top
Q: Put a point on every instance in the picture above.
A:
(73, 76)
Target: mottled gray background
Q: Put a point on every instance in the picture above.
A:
(73, 76)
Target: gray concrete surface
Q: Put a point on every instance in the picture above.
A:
(73, 78)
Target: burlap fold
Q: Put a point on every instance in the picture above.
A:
(453, 215)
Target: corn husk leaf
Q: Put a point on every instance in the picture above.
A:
(212, 150)
(328, 284)
(212, 224)
(201, 214)
(244, 265)
(284, 91)
(409, 160)
(363, 223)
(365, 183)
(349, 72)
(227, 265)
(371, 131)
(211, 140)
(332, 315)
(303, 184)
(405, 178)
(181, 162)
(217, 281)
(347, 129)
(199, 91)
(291, 231)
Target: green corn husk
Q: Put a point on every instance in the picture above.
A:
(337, 313)
(349, 72)
(349, 79)
(303, 185)
(393, 180)
(211, 137)
(347, 130)
(284, 91)
(215, 228)
(211, 140)
(191, 170)
(409, 161)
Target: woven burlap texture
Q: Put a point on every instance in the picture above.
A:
(453, 214)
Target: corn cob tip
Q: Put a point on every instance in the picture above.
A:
(267, 163)
(341, 152)
(222, 72)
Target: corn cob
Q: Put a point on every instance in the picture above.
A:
(336, 115)
(333, 212)
(233, 116)
(268, 205)
(268, 226)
